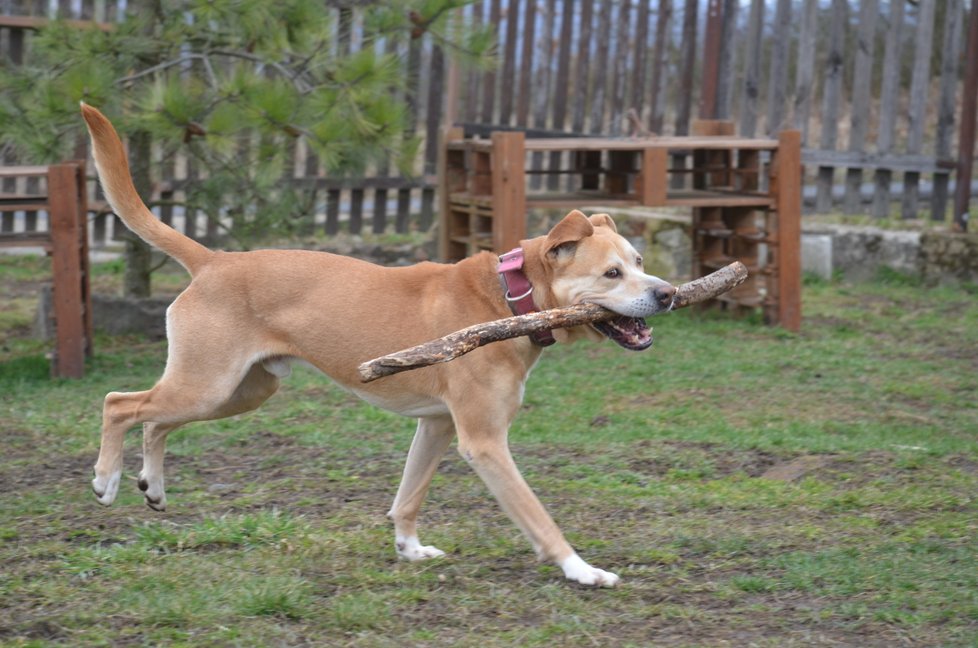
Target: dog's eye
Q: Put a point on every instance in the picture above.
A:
(638, 262)
(614, 273)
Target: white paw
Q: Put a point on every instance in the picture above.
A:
(106, 487)
(409, 548)
(577, 570)
(153, 492)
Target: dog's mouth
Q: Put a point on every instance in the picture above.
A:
(630, 333)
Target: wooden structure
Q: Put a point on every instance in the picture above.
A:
(745, 194)
(64, 198)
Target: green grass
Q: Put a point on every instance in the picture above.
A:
(651, 463)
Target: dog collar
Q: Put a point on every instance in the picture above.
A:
(519, 292)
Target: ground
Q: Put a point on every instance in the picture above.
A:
(750, 486)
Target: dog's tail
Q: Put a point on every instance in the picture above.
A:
(113, 171)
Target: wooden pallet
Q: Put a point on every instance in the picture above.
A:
(745, 195)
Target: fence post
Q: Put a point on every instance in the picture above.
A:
(966, 139)
(66, 249)
(789, 229)
(508, 190)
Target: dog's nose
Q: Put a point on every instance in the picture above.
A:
(663, 295)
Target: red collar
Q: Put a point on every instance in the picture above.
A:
(519, 292)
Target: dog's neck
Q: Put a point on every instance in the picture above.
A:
(518, 292)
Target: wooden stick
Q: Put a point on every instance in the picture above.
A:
(468, 339)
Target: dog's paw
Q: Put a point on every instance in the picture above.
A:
(153, 492)
(409, 548)
(575, 569)
(106, 487)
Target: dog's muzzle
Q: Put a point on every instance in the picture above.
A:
(633, 333)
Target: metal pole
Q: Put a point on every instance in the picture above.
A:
(966, 138)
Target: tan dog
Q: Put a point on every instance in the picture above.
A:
(246, 315)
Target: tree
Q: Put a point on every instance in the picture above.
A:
(233, 85)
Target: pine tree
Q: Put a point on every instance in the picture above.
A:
(233, 85)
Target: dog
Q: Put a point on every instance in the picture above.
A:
(246, 316)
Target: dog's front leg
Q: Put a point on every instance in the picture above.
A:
(429, 446)
(485, 448)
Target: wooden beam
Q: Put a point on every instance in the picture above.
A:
(508, 191)
(789, 229)
(69, 359)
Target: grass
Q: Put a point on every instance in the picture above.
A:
(652, 463)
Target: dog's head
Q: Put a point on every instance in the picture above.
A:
(585, 260)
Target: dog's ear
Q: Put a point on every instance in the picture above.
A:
(603, 220)
(566, 234)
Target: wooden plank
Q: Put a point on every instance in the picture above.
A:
(966, 137)
(917, 115)
(402, 224)
(725, 69)
(805, 76)
(711, 59)
(25, 239)
(583, 71)
(526, 62)
(889, 91)
(489, 79)
(333, 212)
(434, 109)
(600, 70)
(506, 89)
(508, 191)
(356, 211)
(865, 160)
(717, 142)
(451, 179)
(620, 164)
(88, 317)
(950, 53)
(21, 172)
(788, 209)
(751, 87)
(657, 97)
(542, 88)
(653, 177)
(69, 357)
(778, 79)
(831, 100)
(862, 85)
(636, 87)
(560, 91)
(474, 82)
(619, 70)
(687, 67)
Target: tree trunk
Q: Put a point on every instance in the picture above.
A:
(136, 281)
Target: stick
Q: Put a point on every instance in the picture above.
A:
(469, 339)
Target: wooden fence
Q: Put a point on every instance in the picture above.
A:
(873, 85)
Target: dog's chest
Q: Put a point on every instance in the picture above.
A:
(406, 405)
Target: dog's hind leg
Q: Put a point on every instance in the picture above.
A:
(256, 387)
(429, 446)
(186, 392)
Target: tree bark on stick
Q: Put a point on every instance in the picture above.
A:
(468, 339)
